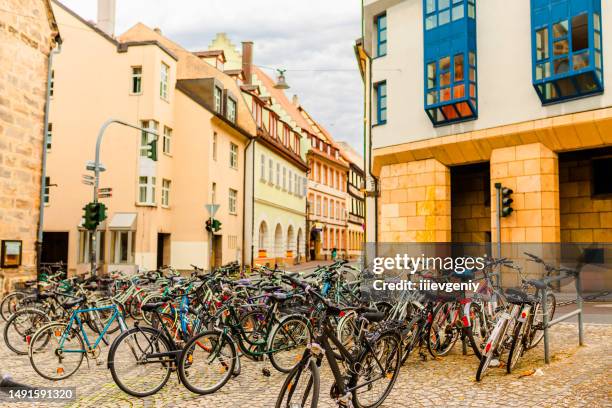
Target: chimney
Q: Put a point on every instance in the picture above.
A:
(158, 30)
(295, 100)
(247, 61)
(106, 16)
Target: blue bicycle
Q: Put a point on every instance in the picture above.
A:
(57, 349)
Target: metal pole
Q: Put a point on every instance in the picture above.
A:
(43, 165)
(92, 235)
(498, 187)
(545, 324)
(579, 304)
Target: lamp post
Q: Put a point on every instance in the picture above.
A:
(97, 168)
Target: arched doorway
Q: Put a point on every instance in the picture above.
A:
(290, 246)
(278, 242)
(262, 240)
(299, 246)
(315, 244)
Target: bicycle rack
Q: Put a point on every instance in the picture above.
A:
(559, 319)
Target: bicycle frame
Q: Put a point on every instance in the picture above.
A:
(75, 318)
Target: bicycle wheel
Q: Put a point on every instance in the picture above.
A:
(410, 336)
(517, 347)
(9, 304)
(442, 334)
(301, 387)
(52, 360)
(537, 334)
(476, 333)
(254, 326)
(140, 362)
(20, 328)
(288, 341)
(379, 368)
(347, 330)
(207, 362)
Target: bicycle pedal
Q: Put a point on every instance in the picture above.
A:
(266, 372)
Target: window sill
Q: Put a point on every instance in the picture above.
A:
(167, 154)
(379, 56)
(233, 168)
(234, 214)
(379, 124)
(167, 207)
(167, 100)
(135, 93)
(146, 205)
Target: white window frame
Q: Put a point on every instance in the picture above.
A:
(232, 201)
(284, 178)
(262, 165)
(233, 155)
(270, 171)
(231, 110)
(278, 175)
(83, 257)
(214, 146)
(167, 139)
(146, 184)
(164, 79)
(218, 99)
(290, 177)
(165, 192)
(136, 81)
(116, 237)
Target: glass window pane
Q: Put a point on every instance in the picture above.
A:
(597, 59)
(464, 109)
(561, 65)
(472, 91)
(383, 115)
(382, 36)
(566, 87)
(431, 75)
(459, 67)
(444, 17)
(472, 58)
(445, 79)
(560, 47)
(542, 70)
(445, 94)
(442, 4)
(597, 40)
(580, 60)
(449, 112)
(430, 22)
(432, 97)
(382, 49)
(471, 11)
(430, 6)
(596, 22)
(542, 44)
(560, 29)
(444, 64)
(580, 32)
(472, 74)
(382, 22)
(458, 91)
(586, 83)
(458, 12)
(457, 1)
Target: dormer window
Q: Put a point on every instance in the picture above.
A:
(231, 110)
(218, 99)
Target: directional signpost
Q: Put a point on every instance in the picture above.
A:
(210, 227)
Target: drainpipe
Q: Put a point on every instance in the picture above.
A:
(253, 208)
(244, 182)
(43, 173)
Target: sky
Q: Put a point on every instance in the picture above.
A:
(312, 39)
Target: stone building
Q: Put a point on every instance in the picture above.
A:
(28, 33)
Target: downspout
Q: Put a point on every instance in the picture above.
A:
(253, 208)
(244, 182)
(43, 173)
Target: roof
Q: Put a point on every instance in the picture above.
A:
(351, 154)
(211, 53)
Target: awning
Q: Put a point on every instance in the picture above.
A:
(125, 221)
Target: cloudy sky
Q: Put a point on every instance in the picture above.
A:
(312, 39)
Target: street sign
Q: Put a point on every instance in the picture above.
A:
(104, 195)
(212, 209)
(105, 190)
(89, 183)
(91, 166)
(87, 177)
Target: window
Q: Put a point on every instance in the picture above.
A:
(136, 80)
(567, 49)
(84, 252)
(163, 81)
(218, 98)
(290, 176)
(272, 126)
(304, 186)
(49, 136)
(318, 212)
(145, 137)
(231, 110)
(601, 176)
(233, 155)
(270, 171)
(381, 102)
(284, 178)
(381, 35)
(233, 198)
(332, 209)
(52, 83)
(214, 146)
(278, 174)
(146, 190)
(296, 188)
(213, 193)
(122, 247)
(165, 200)
(47, 195)
(262, 166)
(325, 207)
(450, 61)
(324, 175)
(167, 139)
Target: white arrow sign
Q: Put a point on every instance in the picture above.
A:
(212, 209)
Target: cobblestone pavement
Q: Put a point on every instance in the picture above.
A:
(577, 376)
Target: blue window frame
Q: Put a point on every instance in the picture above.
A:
(450, 76)
(381, 35)
(381, 102)
(566, 49)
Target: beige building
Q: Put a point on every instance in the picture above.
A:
(156, 214)
(28, 33)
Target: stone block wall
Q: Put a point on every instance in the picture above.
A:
(25, 42)
(470, 204)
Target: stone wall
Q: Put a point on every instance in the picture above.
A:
(470, 203)
(26, 38)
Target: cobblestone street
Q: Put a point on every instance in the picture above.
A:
(577, 376)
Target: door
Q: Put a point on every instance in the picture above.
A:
(163, 250)
(217, 250)
(55, 247)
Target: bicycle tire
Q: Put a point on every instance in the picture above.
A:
(274, 358)
(186, 361)
(537, 335)
(469, 331)
(517, 347)
(313, 386)
(158, 336)
(9, 304)
(36, 344)
(23, 347)
(432, 331)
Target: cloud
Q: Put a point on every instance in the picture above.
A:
(313, 40)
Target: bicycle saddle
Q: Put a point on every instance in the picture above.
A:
(517, 296)
(73, 302)
(149, 307)
(373, 317)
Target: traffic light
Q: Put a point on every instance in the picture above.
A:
(95, 213)
(506, 201)
(216, 225)
(209, 224)
(152, 149)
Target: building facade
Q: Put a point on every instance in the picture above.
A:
(28, 34)
(355, 204)
(460, 99)
(157, 209)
